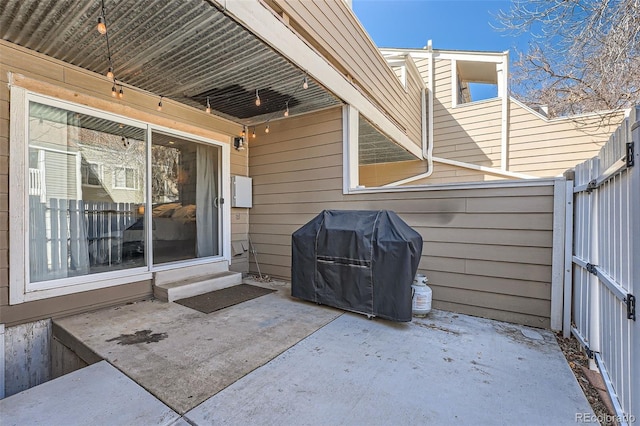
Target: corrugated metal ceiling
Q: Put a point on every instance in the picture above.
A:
(180, 49)
(184, 50)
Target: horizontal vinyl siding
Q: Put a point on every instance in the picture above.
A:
(469, 133)
(137, 105)
(56, 307)
(547, 148)
(486, 251)
(334, 31)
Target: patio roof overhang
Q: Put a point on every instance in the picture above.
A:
(192, 51)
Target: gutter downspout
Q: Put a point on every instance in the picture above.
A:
(504, 136)
(427, 124)
(427, 116)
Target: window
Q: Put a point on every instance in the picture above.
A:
(73, 223)
(85, 208)
(476, 80)
(125, 178)
(365, 148)
(91, 173)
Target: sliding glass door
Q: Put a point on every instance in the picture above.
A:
(185, 199)
(86, 188)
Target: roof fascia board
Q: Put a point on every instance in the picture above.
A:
(413, 71)
(586, 115)
(496, 57)
(266, 25)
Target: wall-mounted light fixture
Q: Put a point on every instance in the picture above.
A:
(238, 143)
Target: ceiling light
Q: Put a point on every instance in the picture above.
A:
(266, 129)
(121, 93)
(305, 83)
(114, 93)
(286, 112)
(208, 109)
(110, 73)
(257, 98)
(160, 104)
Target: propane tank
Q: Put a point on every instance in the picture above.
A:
(421, 296)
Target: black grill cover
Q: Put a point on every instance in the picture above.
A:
(358, 260)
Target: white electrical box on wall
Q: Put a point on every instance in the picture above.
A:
(241, 195)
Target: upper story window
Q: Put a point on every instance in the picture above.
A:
(474, 81)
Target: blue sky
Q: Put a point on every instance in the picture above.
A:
(451, 24)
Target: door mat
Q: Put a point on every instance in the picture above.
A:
(220, 299)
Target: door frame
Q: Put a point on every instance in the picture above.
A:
(224, 187)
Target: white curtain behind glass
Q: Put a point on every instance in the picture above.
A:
(206, 195)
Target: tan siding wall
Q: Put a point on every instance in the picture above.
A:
(332, 28)
(548, 148)
(240, 216)
(470, 132)
(487, 251)
(372, 175)
(55, 78)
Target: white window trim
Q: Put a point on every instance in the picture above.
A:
(350, 161)
(501, 62)
(20, 289)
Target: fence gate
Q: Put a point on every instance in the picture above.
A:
(606, 264)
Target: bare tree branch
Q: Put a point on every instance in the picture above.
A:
(584, 55)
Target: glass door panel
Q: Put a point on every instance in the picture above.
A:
(184, 196)
(87, 180)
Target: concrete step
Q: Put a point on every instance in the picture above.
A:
(169, 292)
(189, 272)
(97, 394)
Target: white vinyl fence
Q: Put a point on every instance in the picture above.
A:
(606, 264)
(67, 237)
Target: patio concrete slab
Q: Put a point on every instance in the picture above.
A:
(443, 369)
(182, 356)
(96, 395)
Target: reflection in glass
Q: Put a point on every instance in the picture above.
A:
(184, 196)
(86, 189)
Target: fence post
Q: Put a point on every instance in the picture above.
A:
(594, 283)
(568, 255)
(557, 259)
(634, 287)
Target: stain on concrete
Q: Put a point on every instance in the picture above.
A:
(437, 327)
(516, 335)
(140, 336)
